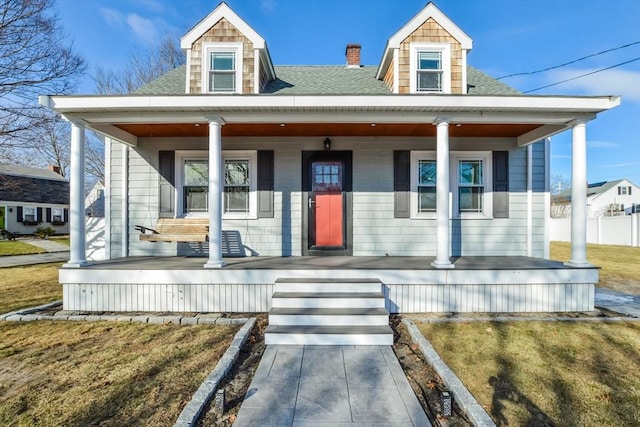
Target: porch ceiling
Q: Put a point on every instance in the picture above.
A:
(324, 129)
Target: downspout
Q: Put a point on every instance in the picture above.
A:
(124, 207)
(529, 199)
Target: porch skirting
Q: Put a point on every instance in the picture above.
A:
(409, 284)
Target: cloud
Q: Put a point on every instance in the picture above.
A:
(602, 144)
(112, 17)
(621, 165)
(561, 156)
(143, 28)
(610, 82)
(268, 6)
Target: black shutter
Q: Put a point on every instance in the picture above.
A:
(619, 190)
(66, 215)
(401, 184)
(629, 192)
(48, 215)
(501, 184)
(39, 214)
(19, 216)
(166, 166)
(265, 183)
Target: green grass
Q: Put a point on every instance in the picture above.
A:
(620, 265)
(16, 247)
(63, 240)
(544, 374)
(28, 286)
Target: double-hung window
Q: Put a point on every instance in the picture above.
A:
(430, 65)
(471, 186)
(426, 185)
(239, 182)
(56, 215)
(222, 70)
(29, 214)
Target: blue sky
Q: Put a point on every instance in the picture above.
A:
(510, 36)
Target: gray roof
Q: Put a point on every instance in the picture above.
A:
(593, 190)
(19, 170)
(325, 80)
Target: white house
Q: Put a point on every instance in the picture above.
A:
(607, 198)
(421, 180)
(32, 198)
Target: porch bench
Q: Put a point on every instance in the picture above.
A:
(176, 230)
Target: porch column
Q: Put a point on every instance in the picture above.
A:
(579, 196)
(77, 228)
(215, 193)
(442, 195)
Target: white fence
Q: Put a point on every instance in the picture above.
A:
(604, 230)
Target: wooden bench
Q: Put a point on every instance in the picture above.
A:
(176, 230)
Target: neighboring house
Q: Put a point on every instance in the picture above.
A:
(608, 198)
(421, 174)
(94, 202)
(32, 198)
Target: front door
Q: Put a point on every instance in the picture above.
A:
(327, 196)
(2, 217)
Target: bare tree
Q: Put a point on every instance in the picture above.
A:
(143, 68)
(35, 58)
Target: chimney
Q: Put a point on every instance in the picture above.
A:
(353, 55)
(55, 169)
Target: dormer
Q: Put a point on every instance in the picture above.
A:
(226, 56)
(427, 55)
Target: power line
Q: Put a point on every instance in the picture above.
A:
(583, 75)
(570, 62)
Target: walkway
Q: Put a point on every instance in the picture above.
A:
(56, 252)
(330, 385)
(626, 304)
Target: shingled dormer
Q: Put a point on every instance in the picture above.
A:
(427, 55)
(226, 56)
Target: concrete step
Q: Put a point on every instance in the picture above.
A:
(329, 316)
(328, 285)
(328, 335)
(326, 300)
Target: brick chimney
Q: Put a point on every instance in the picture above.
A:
(55, 169)
(353, 55)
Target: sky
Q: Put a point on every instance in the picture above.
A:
(509, 36)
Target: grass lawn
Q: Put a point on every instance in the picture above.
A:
(543, 374)
(63, 240)
(16, 247)
(22, 287)
(620, 265)
(59, 373)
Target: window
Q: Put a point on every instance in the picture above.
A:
(470, 178)
(239, 196)
(29, 214)
(429, 71)
(56, 215)
(622, 190)
(470, 186)
(222, 70)
(426, 186)
(430, 65)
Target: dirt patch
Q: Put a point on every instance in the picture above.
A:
(237, 382)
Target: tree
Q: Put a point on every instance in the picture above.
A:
(35, 59)
(143, 67)
(560, 203)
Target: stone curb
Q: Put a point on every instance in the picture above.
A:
(190, 414)
(616, 319)
(461, 394)
(27, 315)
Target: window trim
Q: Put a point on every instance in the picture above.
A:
(182, 155)
(53, 215)
(454, 157)
(24, 213)
(445, 50)
(208, 48)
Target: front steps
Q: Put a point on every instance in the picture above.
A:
(328, 312)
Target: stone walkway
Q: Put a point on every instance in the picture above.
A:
(330, 386)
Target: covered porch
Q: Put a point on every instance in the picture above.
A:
(409, 284)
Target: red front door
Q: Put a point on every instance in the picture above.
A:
(326, 204)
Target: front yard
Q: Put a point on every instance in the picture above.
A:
(23, 287)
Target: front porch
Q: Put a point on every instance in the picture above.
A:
(409, 284)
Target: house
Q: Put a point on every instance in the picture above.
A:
(421, 176)
(32, 198)
(607, 198)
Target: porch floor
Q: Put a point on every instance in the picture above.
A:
(329, 263)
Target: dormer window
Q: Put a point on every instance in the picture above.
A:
(223, 71)
(430, 68)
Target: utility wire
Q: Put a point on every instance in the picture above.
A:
(570, 62)
(583, 75)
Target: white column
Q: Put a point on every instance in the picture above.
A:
(77, 228)
(215, 194)
(579, 196)
(442, 196)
